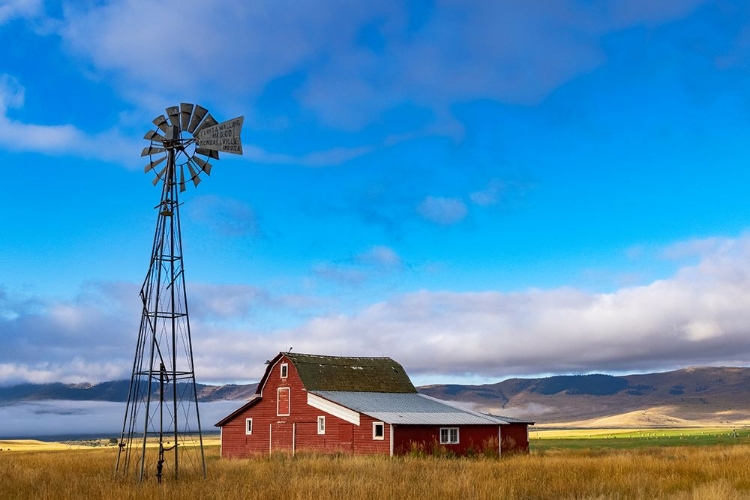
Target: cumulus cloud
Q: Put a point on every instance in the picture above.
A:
(82, 339)
(92, 337)
(698, 316)
(53, 139)
(378, 54)
(366, 56)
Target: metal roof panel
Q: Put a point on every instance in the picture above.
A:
(411, 409)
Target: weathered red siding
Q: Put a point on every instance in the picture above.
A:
(471, 439)
(297, 432)
(514, 438)
(363, 442)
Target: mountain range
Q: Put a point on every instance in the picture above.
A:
(690, 396)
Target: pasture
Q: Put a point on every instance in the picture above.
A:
(573, 465)
(580, 439)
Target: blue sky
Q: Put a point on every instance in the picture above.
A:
(479, 190)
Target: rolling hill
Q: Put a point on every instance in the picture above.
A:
(691, 396)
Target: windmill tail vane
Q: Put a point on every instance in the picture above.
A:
(161, 434)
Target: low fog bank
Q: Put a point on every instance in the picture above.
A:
(42, 419)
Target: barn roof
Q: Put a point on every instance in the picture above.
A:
(411, 409)
(337, 373)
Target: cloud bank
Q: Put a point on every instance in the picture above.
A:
(698, 316)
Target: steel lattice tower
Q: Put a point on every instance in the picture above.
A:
(161, 432)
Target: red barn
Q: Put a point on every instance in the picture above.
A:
(326, 404)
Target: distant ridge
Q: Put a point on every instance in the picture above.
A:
(691, 396)
(700, 395)
(114, 391)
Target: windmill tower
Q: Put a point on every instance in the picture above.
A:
(161, 432)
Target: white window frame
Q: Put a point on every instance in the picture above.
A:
(451, 435)
(284, 370)
(278, 401)
(375, 436)
(248, 426)
(321, 424)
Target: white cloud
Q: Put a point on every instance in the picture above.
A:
(515, 52)
(698, 316)
(234, 47)
(13, 9)
(442, 210)
(694, 247)
(54, 139)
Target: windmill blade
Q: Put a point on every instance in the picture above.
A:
(153, 136)
(193, 175)
(161, 122)
(154, 163)
(204, 165)
(186, 109)
(198, 114)
(174, 115)
(182, 179)
(151, 150)
(207, 122)
(208, 152)
(159, 175)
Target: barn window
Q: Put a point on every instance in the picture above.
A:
(283, 405)
(321, 425)
(449, 435)
(284, 370)
(378, 430)
(248, 426)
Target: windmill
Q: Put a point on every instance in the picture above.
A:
(161, 432)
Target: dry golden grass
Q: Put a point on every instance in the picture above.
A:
(695, 473)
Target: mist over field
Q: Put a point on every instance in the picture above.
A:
(42, 419)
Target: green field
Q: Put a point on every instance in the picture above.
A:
(578, 439)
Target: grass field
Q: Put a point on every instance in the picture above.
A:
(560, 466)
(544, 440)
